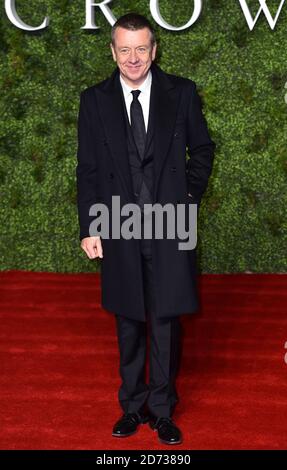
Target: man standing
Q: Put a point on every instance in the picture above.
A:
(133, 132)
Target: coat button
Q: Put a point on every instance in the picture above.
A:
(173, 168)
(111, 175)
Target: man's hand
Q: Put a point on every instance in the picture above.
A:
(92, 246)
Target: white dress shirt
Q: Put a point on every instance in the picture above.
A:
(144, 96)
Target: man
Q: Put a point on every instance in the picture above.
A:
(133, 132)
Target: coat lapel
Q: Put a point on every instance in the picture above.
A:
(165, 103)
(163, 107)
(112, 114)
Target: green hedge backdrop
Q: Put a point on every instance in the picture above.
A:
(241, 76)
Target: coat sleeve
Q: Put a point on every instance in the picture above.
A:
(200, 148)
(86, 170)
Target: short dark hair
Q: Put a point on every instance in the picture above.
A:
(133, 21)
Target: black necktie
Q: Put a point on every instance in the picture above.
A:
(137, 123)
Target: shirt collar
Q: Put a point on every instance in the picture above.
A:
(143, 87)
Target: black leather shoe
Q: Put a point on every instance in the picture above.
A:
(128, 424)
(168, 432)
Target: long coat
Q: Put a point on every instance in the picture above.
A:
(103, 171)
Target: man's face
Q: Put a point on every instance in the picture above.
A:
(134, 54)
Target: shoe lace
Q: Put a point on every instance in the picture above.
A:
(131, 417)
(161, 421)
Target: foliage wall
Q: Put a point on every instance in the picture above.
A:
(241, 76)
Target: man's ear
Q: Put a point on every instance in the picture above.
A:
(113, 52)
(154, 51)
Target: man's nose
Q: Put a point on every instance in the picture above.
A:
(133, 56)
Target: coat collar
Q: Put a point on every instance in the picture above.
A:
(163, 107)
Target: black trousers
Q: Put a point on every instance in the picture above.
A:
(159, 395)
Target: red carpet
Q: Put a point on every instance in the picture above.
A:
(59, 365)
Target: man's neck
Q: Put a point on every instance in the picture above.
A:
(135, 84)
